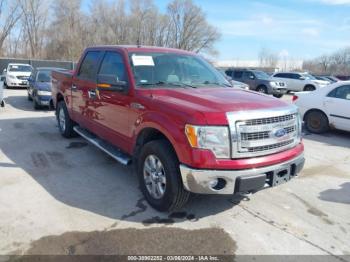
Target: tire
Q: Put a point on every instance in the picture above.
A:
(309, 88)
(174, 196)
(36, 106)
(278, 95)
(65, 123)
(316, 122)
(262, 89)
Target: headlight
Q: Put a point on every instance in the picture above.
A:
(273, 84)
(44, 93)
(12, 77)
(214, 138)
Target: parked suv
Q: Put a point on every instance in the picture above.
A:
(179, 121)
(258, 81)
(17, 75)
(300, 81)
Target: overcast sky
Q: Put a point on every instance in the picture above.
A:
(297, 28)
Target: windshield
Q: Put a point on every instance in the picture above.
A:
(20, 68)
(44, 76)
(308, 76)
(174, 70)
(261, 75)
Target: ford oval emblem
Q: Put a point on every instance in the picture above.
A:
(279, 132)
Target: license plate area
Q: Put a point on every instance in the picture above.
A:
(281, 176)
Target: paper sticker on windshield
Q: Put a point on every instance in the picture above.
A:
(139, 60)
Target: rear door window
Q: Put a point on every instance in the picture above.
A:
(89, 66)
(281, 75)
(237, 74)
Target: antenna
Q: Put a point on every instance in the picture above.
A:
(138, 42)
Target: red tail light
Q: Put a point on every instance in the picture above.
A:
(295, 98)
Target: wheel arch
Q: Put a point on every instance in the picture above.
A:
(148, 134)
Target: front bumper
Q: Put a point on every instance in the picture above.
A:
(17, 82)
(279, 90)
(235, 181)
(43, 100)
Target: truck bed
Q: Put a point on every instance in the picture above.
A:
(61, 81)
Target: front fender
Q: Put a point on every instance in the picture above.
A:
(172, 130)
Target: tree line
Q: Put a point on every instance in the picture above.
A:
(337, 63)
(61, 29)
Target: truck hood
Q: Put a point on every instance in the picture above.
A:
(215, 102)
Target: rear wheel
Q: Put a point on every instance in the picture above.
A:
(316, 122)
(65, 123)
(278, 95)
(262, 89)
(159, 176)
(309, 88)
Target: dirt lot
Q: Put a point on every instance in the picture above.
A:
(60, 196)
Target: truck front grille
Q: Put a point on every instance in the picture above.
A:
(255, 133)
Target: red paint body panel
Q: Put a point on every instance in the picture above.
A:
(115, 118)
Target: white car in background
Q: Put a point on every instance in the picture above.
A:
(325, 108)
(17, 75)
(297, 82)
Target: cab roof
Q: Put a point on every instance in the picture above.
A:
(135, 48)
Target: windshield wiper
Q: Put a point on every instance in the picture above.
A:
(216, 83)
(161, 83)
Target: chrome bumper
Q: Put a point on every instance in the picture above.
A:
(199, 180)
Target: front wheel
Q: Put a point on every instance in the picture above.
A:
(65, 123)
(262, 89)
(159, 176)
(278, 95)
(316, 122)
(36, 106)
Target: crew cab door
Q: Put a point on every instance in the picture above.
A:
(112, 106)
(337, 105)
(82, 85)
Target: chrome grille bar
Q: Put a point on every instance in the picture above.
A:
(263, 132)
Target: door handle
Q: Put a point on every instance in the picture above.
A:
(74, 87)
(92, 93)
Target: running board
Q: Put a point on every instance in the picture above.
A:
(111, 150)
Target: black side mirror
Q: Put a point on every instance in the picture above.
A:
(110, 83)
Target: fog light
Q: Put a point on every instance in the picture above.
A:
(217, 184)
(213, 183)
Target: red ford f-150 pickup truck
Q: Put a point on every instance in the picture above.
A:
(177, 119)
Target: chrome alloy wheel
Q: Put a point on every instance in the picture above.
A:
(154, 176)
(62, 119)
